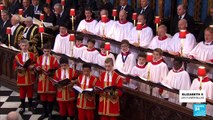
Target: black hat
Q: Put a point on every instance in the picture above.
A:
(63, 60)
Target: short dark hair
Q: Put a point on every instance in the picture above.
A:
(91, 40)
(79, 38)
(63, 60)
(160, 51)
(109, 60)
(47, 46)
(142, 54)
(87, 65)
(125, 42)
(102, 45)
(47, 6)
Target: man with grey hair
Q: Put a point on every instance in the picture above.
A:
(181, 14)
(30, 29)
(16, 30)
(14, 116)
(61, 15)
(3, 26)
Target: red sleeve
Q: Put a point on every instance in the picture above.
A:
(15, 63)
(120, 84)
(55, 65)
(56, 75)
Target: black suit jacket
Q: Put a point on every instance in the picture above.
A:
(37, 13)
(174, 24)
(3, 35)
(129, 10)
(149, 13)
(29, 12)
(64, 18)
(13, 8)
(51, 18)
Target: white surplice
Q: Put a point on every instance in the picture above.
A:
(62, 44)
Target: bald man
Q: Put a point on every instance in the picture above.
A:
(30, 30)
(122, 27)
(161, 40)
(188, 44)
(181, 14)
(14, 116)
(144, 38)
(16, 30)
(147, 11)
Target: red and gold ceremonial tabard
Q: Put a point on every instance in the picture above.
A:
(45, 85)
(65, 93)
(27, 77)
(109, 106)
(85, 102)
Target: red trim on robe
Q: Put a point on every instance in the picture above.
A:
(141, 66)
(64, 35)
(93, 49)
(79, 46)
(158, 62)
(205, 79)
(90, 20)
(162, 38)
(123, 22)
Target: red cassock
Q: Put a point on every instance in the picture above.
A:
(45, 85)
(26, 78)
(84, 102)
(107, 105)
(66, 94)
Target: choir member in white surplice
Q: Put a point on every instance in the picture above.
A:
(204, 50)
(90, 54)
(78, 50)
(207, 86)
(145, 34)
(62, 43)
(140, 69)
(88, 24)
(161, 40)
(158, 70)
(188, 44)
(101, 57)
(104, 28)
(125, 61)
(122, 27)
(177, 78)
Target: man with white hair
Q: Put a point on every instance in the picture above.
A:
(14, 116)
(188, 43)
(161, 40)
(30, 29)
(16, 30)
(61, 15)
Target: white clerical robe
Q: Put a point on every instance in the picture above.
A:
(145, 36)
(87, 25)
(122, 30)
(202, 52)
(104, 28)
(188, 44)
(179, 80)
(140, 71)
(90, 55)
(126, 66)
(208, 87)
(160, 43)
(78, 53)
(62, 44)
(158, 72)
(100, 59)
